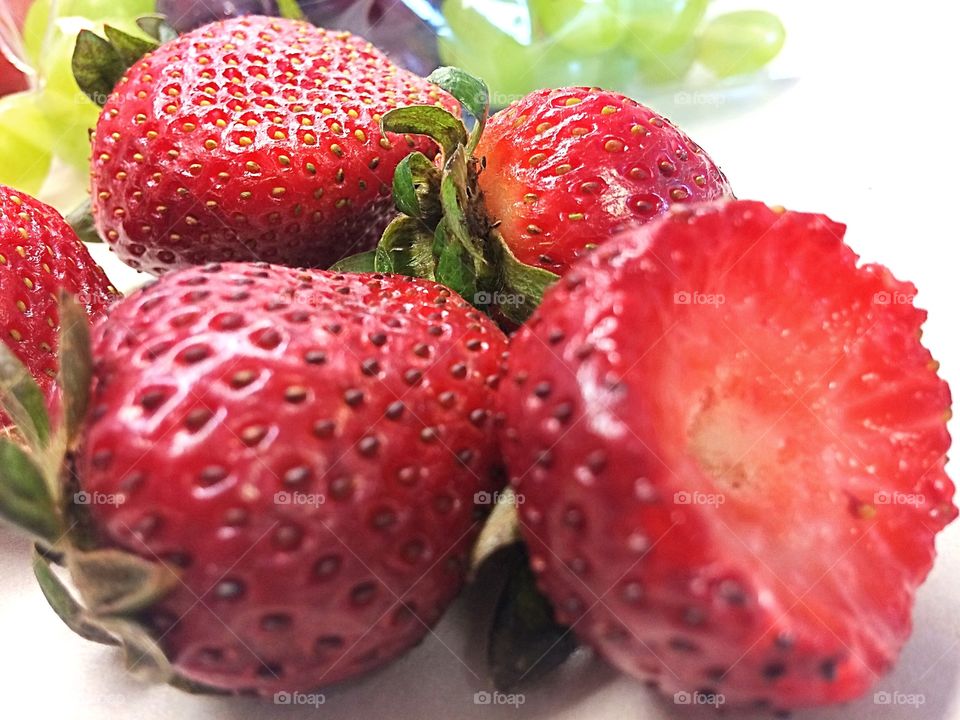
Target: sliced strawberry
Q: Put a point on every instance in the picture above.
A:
(731, 446)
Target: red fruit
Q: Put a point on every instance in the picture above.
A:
(252, 139)
(567, 169)
(39, 255)
(731, 446)
(306, 447)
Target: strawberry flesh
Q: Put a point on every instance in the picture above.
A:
(731, 445)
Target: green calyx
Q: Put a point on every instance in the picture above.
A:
(39, 496)
(444, 232)
(99, 62)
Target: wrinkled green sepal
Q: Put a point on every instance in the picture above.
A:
(525, 641)
(64, 605)
(157, 27)
(22, 400)
(430, 120)
(24, 495)
(407, 249)
(81, 220)
(114, 582)
(360, 263)
(522, 286)
(76, 365)
(99, 64)
(471, 92)
(416, 187)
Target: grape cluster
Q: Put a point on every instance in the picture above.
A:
(520, 45)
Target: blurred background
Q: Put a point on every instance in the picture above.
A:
(834, 106)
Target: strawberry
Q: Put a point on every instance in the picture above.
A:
(251, 139)
(731, 446)
(564, 170)
(517, 199)
(276, 484)
(40, 255)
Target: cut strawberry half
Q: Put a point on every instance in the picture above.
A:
(731, 446)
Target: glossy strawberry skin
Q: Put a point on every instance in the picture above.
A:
(713, 421)
(366, 397)
(567, 169)
(252, 139)
(39, 255)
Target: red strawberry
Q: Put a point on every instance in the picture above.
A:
(252, 139)
(731, 446)
(521, 196)
(567, 169)
(39, 255)
(306, 447)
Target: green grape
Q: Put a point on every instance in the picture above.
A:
(660, 26)
(25, 155)
(70, 112)
(561, 67)
(667, 68)
(589, 27)
(741, 42)
(496, 46)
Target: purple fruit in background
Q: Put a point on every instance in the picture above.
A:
(185, 15)
(404, 29)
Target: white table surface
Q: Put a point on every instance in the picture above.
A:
(866, 134)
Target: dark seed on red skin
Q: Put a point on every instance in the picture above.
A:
(370, 367)
(353, 397)
(212, 474)
(828, 669)
(324, 428)
(315, 357)
(327, 567)
(368, 446)
(363, 594)
(341, 488)
(276, 622)
(395, 410)
(772, 671)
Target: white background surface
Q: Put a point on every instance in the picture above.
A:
(867, 134)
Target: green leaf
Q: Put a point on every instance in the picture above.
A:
(453, 200)
(97, 66)
(359, 263)
(115, 582)
(143, 655)
(24, 497)
(81, 220)
(290, 9)
(129, 47)
(429, 120)
(455, 267)
(157, 27)
(501, 529)
(64, 605)
(406, 248)
(525, 642)
(471, 92)
(522, 285)
(22, 400)
(76, 364)
(416, 185)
